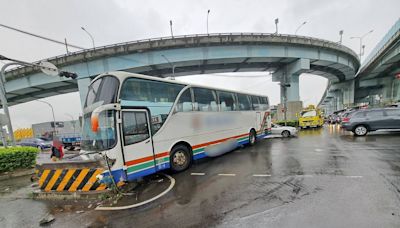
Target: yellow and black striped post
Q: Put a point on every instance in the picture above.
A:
(70, 176)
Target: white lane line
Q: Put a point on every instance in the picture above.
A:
(227, 174)
(261, 175)
(304, 175)
(197, 174)
(354, 176)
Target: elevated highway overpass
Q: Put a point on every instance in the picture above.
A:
(375, 84)
(285, 56)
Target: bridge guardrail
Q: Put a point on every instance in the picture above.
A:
(324, 43)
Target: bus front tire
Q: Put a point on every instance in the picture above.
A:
(180, 158)
(252, 137)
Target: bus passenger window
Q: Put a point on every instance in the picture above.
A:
(227, 101)
(264, 103)
(205, 100)
(135, 127)
(256, 103)
(244, 102)
(185, 102)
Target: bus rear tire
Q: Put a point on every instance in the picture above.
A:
(180, 158)
(252, 137)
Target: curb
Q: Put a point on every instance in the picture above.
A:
(18, 173)
(40, 195)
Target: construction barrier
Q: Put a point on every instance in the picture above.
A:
(70, 176)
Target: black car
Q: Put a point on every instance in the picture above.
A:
(363, 121)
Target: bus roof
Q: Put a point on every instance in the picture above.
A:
(123, 75)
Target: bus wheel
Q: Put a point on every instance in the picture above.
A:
(180, 158)
(252, 137)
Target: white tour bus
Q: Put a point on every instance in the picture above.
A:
(142, 124)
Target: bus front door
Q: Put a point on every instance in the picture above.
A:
(137, 143)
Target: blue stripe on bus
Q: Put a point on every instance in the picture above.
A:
(142, 173)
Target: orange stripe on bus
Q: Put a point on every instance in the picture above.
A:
(217, 141)
(149, 158)
(145, 159)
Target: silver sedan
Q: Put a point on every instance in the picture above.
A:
(284, 131)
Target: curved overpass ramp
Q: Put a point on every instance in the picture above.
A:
(285, 56)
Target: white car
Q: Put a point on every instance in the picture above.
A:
(285, 131)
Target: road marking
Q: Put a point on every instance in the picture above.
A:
(227, 174)
(261, 175)
(305, 175)
(319, 150)
(197, 174)
(354, 176)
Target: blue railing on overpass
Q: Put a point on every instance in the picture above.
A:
(391, 35)
(310, 39)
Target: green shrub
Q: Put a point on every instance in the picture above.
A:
(17, 157)
(291, 123)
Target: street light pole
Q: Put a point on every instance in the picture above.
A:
(54, 118)
(341, 36)
(276, 25)
(90, 35)
(295, 33)
(172, 66)
(361, 39)
(208, 13)
(170, 25)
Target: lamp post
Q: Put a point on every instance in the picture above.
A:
(54, 118)
(90, 35)
(72, 120)
(170, 25)
(360, 38)
(276, 25)
(46, 68)
(172, 66)
(341, 36)
(208, 13)
(301, 25)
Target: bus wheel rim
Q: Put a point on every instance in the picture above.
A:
(179, 158)
(252, 138)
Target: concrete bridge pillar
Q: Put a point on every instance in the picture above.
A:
(83, 86)
(288, 76)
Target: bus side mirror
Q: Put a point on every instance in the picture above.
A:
(95, 122)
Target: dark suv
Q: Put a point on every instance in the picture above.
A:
(362, 121)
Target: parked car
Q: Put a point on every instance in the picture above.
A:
(285, 131)
(363, 121)
(36, 142)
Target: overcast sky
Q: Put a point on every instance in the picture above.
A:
(126, 20)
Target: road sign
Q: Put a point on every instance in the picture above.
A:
(49, 68)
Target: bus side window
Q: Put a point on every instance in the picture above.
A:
(205, 100)
(185, 102)
(244, 102)
(256, 103)
(226, 101)
(264, 103)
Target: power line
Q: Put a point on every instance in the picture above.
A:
(41, 37)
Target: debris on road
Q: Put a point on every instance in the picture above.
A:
(48, 218)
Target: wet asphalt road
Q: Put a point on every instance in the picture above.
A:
(323, 178)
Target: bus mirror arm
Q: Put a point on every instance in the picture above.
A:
(94, 119)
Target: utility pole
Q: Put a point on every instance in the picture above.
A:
(172, 66)
(360, 38)
(341, 36)
(66, 45)
(170, 25)
(208, 13)
(46, 68)
(276, 25)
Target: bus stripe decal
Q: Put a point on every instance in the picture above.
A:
(147, 162)
(145, 159)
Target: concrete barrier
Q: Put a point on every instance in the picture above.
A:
(70, 176)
